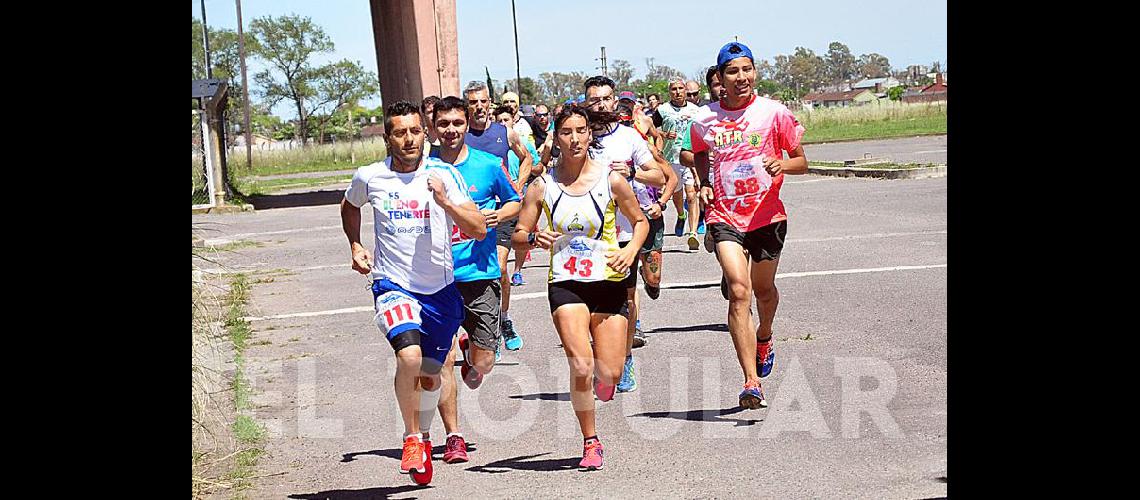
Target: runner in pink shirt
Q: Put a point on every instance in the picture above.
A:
(748, 135)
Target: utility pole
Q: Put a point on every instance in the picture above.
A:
(518, 72)
(245, 94)
(605, 72)
(206, 42)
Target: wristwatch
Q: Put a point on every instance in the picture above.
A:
(532, 239)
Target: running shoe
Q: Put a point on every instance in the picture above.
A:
(471, 377)
(424, 478)
(694, 243)
(517, 280)
(628, 381)
(456, 450)
(679, 229)
(752, 397)
(412, 459)
(639, 338)
(701, 223)
(510, 338)
(652, 291)
(604, 391)
(591, 456)
(765, 357)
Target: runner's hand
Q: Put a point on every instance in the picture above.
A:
(621, 260)
(670, 135)
(361, 261)
(545, 238)
(438, 190)
(654, 211)
(773, 166)
(621, 168)
(707, 195)
(492, 217)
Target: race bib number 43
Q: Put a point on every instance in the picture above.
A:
(394, 309)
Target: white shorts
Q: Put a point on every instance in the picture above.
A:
(685, 174)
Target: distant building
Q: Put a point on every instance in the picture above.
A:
(930, 93)
(877, 85)
(852, 97)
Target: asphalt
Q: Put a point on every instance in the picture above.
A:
(857, 397)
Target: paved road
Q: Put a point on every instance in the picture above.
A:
(858, 394)
(926, 149)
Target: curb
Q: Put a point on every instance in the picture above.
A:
(227, 209)
(901, 173)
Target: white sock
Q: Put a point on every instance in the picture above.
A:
(460, 434)
(419, 436)
(429, 400)
(504, 316)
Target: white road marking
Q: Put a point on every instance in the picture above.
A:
(535, 295)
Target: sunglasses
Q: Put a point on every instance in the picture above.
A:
(694, 94)
(542, 115)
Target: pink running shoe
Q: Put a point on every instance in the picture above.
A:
(591, 456)
(602, 390)
(456, 450)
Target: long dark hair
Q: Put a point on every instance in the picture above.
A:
(591, 117)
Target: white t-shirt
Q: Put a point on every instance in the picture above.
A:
(413, 233)
(626, 145)
(522, 127)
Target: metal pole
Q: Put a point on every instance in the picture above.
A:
(206, 42)
(518, 72)
(245, 93)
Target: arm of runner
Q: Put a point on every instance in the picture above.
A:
(795, 164)
(528, 221)
(621, 259)
(458, 205)
(667, 171)
(687, 150)
(508, 195)
(355, 197)
(525, 160)
(651, 166)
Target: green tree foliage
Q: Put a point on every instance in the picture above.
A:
(529, 92)
(622, 73)
(287, 44)
(840, 64)
(873, 66)
(895, 93)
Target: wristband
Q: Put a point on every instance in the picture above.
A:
(532, 239)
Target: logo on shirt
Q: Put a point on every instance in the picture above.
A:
(732, 134)
(473, 189)
(575, 226)
(754, 139)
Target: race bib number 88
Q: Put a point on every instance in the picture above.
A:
(744, 178)
(395, 309)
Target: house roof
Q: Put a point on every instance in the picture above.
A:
(833, 96)
(868, 82)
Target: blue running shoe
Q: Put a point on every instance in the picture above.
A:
(679, 228)
(517, 279)
(628, 382)
(511, 339)
(701, 226)
(752, 397)
(765, 357)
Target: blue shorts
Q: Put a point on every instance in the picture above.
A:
(437, 316)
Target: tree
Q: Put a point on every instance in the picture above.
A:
(801, 72)
(840, 63)
(340, 84)
(286, 43)
(873, 65)
(622, 72)
(558, 87)
(895, 93)
(225, 59)
(660, 72)
(529, 90)
(490, 85)
(765, 70)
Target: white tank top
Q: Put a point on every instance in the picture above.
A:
(587, 223)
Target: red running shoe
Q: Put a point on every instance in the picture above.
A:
(425, 477)
(591, 456)
(456, 450)
(413, 456)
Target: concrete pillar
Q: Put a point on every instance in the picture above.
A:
(417, 52)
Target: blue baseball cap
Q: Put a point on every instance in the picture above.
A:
(731, 51)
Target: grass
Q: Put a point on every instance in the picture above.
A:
(254, 187)
(881, 120)
(237, 245)
(248, 432)
(314, 158)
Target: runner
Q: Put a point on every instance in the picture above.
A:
(580, 198)
(522, 127)
(485, 134)
(476, 265)
(416, 202)
(749, 135)
(673, 118)
(504, 116)
(716, 90)
(431, 144)
(623, 147)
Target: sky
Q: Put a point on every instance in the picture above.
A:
(568, 36)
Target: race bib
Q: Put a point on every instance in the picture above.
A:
(458, 236)
(395, 309)
(744, 178)
(578, 258)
